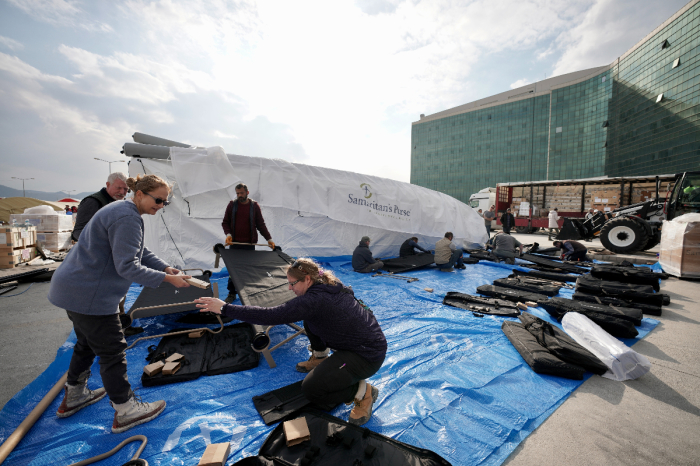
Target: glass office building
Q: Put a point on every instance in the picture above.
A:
(639, 115)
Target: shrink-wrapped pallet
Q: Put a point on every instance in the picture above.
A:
(680, 246)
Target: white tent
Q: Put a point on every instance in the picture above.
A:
(309, 211)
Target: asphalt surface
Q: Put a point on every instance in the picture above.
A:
(654, 419)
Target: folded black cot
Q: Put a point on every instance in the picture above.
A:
(646, 308)
(404, 264)
(481, 305)
(628, 291)
(510, 294)
(617, 321)
(532, 285)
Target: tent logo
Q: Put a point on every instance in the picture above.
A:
(366, 188)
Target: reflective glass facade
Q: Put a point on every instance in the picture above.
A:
(615, 123)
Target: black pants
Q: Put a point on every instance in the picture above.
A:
(506, 229)
(231, 287)
(337, 378)
(100, 336)
(577, 256)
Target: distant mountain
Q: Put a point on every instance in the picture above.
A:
(6, 191)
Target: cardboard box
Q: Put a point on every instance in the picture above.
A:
(17, 237)
(680, 247)
(174, 357)
(171, 368)
(153, 369)
(55, 223)
(10, 258)
(54, 241)
(216, 454)
(296, 431)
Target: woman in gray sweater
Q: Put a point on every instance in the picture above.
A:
(333, 318)
(93, 278)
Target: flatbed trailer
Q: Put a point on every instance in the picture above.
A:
(573, 197)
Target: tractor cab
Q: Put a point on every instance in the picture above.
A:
(685, 197)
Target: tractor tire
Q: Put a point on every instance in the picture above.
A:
(624, 235)
(653, 241)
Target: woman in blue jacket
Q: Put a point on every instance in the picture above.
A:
(333, 318)
(93, 278)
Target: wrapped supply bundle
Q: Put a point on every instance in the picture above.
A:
(680, 246)
(624, 363)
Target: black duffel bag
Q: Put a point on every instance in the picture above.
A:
(626, 291)
(616, 322)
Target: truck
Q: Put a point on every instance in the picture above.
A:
(483, 200)
(635, 199)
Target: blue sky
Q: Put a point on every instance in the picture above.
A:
(328, 83)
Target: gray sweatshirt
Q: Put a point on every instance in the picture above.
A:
(109, 257)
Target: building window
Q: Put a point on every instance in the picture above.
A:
(606, 124)
(488, 117)
(559, 129)
(676, 62)
(665, 44)
(603, 79)
(659, 98)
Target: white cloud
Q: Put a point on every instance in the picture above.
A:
(11, 43)
(60, 13)
(520, 83)
(220, 134)
(609, 29)
(20, 69)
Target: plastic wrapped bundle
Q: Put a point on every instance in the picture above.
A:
(623, 362)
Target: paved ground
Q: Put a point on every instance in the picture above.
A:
(652, 420)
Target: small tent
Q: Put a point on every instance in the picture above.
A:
(309, 211)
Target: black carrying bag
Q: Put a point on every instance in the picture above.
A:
(627, 275)
(510, 294)
(626, 291)
(282, 402)
(649, 309)
(481, 305)
(338, 443)
(561, 345)
(211, 354)
(553, 276)
(528, 284)
(404, 264)
(540, 359)
(618, 322)
(553, 264)
(483, 255)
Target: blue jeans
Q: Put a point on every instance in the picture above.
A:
(488, 229)
(455, 259)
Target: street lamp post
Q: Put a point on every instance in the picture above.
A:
(110, 163)
(23, 179)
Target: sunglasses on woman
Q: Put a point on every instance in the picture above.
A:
(158, 200)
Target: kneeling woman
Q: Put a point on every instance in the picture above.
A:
(333, 318)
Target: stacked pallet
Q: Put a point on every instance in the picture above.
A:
(17, 245)
(53, 231)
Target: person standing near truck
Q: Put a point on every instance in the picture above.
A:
(489, 216)
(508, 221)
(553, 222)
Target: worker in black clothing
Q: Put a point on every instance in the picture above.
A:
(114, 191)
(508, 221)
(242, 221)
(572, 250)
(408, 248)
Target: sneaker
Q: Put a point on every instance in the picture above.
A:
(230, 298)
(460, 267)
(447, 270)
(134, 412)
(76, 397)
(362, 410)
(308, 366)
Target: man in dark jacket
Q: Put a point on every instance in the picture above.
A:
(408, 248)
(115, 191)
(572, 250)
(242, 221)
(508, 221)
(362, 260)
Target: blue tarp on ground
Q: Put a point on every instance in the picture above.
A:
(451, 383)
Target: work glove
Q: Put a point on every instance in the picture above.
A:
(229, 240)
(271, 244)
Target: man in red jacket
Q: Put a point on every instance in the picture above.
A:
(242, 221)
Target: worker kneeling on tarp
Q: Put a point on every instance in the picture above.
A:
(109, 257)
(333, 318)
(504, 246)
(572, 250)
